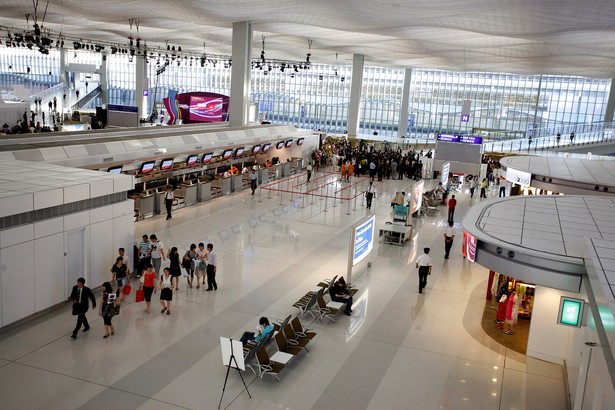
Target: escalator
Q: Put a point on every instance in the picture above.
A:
(87, 99)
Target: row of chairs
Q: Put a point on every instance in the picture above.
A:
(290, 337)
(313, 301)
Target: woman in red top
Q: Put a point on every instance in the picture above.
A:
(148, 284)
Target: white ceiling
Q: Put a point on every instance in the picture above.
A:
(521, 36)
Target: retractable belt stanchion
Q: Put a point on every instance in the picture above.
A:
(348, 211)
(292, 191)
(326, 197)
(260, 194)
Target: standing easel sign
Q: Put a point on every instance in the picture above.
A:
(232, 356)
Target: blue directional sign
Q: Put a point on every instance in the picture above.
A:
(465, 117)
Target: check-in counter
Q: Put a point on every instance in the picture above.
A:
(276, 171)
(285, 169)
(236, 182)
(203, 190)
(223, 184)
(144, 204)
(189, 192)
(159, 202)
(263, 176)
(297, 164)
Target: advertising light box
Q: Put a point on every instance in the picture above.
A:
(363, 240)
(571, 312)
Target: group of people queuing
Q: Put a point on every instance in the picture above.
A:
(198, 263)
(364, 160)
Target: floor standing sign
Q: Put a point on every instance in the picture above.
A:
(361, 243)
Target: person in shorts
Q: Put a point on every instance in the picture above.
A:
(148, 284)
(120, 275)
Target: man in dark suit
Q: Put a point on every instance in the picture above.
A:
(79, 296)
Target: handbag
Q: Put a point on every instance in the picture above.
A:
(139, 296)
(76, 309)
(184, 272)
(202, 265)
(115, 309)
(127, 289)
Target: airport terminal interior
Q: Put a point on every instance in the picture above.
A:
(274, 131)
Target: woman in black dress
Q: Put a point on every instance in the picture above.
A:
(106, 308)
(174, 265)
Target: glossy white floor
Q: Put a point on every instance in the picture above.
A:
(399, 350)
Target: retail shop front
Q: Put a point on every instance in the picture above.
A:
(536, 256)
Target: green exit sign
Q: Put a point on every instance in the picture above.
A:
(571, 312)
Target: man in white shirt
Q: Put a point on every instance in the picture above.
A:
(448, 239)
(156, 253)
(125, 260)
(309, 172)
(369, 194)
(423, 263)
(212, 262)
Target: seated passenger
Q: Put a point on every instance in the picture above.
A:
(262, 330)
(340, 293)
(234, 170)
(268, 164)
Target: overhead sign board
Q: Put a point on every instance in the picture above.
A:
(571, 312)
(464, 139)
(518, 177)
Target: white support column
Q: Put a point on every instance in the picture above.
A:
(141, 85)
(240, 74)
(104, 83)
(610, 104)
(358, 61)
(63, 72)
(405, 104)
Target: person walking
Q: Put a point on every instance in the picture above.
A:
(452, 203)
(369, 195)
(167, 282)
(168, 201)
(502, 192)
(107, 305)
(253, 179)
(483, 188)
(309, 172)
(473, 185)
(201, 266)
(188, 262)
(144, 254)
(148, 284)
(448, 239)
(423, 264)
(119, 273)
(174, 267)
(212, 262)
(80, 295)
(156, 253)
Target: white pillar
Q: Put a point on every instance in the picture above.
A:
(355, 94)
(141, 85)
(610, 104)
(405, 104)
(63, 73)
(240, 74)
(104, 83)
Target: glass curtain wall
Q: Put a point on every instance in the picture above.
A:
(506, 105)
(28, 68)
(317, 98)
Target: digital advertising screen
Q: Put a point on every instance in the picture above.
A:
(280, 145)
(115, 170)
(289, 143)
(192, 159)
(227, 154)
(147, 167)
(300, 141)
(207, 157)
(239, 152)
(166, 164)
(417, 196)
(256, 149)
(266, 148)
(205, 109)
(363, 240)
